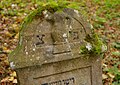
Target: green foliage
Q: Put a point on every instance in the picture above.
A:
(116, 45)
(117, 53)
(112, 3)
(10, 7)
(96, 45)
(106, 12)
(99, 22)
(108, 3)
(114, 70)
(116, 80)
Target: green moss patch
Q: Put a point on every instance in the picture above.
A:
(93, 46)
(51, 6)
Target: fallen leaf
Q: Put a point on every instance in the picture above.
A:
(11, 79)
(15, 81)
(111, 75)
(104, 76)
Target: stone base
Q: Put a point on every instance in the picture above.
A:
(79, 71)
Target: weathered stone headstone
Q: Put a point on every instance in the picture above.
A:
(49, 51)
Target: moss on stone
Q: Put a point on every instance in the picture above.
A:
(52, 7)
(95, 42)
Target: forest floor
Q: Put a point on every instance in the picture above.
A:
(104, 15)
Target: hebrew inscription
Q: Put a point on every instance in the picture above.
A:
(75, 35)
(40, 39)
(81, 76)
(69, 81)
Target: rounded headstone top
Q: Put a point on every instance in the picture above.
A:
(51, 37)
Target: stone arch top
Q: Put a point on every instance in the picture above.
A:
(51, 37)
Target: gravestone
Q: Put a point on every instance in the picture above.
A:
(49, 51)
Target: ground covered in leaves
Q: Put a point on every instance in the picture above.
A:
(104, 15)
